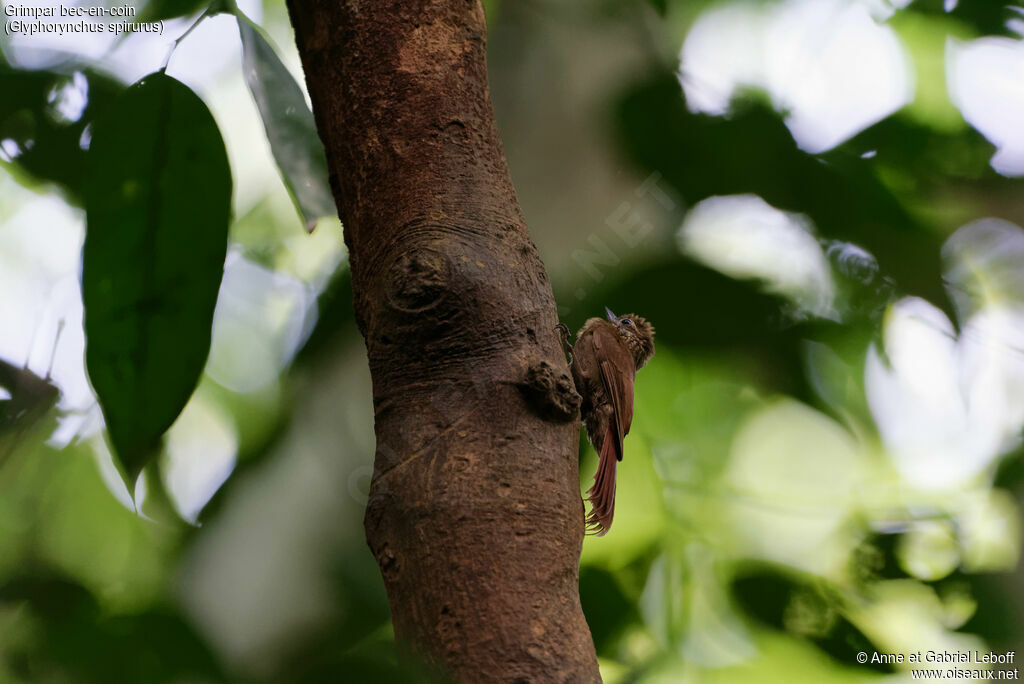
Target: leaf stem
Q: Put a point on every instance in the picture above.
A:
(214, 8)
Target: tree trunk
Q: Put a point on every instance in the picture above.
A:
(475, 515)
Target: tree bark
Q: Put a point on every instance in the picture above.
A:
(475, 515)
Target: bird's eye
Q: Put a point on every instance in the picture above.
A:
(628, 323)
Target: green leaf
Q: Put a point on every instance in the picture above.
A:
(289, 124)
(158, 204)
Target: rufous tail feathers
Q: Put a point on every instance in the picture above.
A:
(601, 494)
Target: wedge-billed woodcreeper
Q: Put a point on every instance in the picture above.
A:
(604, 362)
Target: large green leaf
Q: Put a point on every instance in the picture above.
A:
(289, 124)
(158, 204)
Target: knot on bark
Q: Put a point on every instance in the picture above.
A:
(550, 393)
(418, 280)
(386, 560)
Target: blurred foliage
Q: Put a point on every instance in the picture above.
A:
(753, 152)
(825, 454)
(51, 142)
(76, 642)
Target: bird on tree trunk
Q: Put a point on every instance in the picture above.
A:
(604, 362)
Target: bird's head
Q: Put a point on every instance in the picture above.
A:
(638, 334)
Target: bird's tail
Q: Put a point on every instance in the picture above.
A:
(601, 494)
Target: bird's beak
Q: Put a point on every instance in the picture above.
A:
(611, 317)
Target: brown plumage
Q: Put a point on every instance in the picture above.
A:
(604, 362)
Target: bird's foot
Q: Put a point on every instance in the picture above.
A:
(563, 334)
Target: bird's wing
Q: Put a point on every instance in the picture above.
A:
(617, 373)
(616, 369)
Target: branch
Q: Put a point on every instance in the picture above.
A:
(475, 516)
